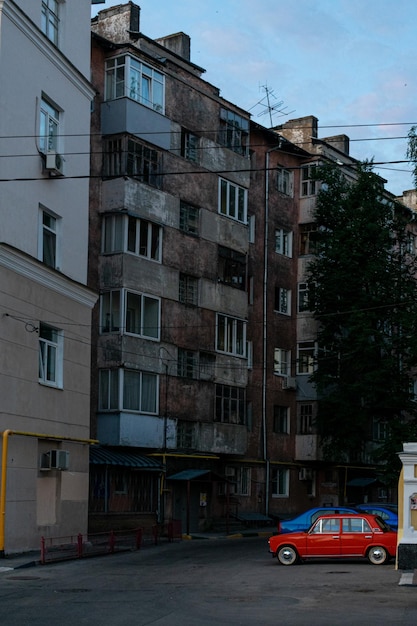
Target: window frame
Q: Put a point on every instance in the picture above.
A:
(232, 201)
(303, 305)
(188, 289)
(189, 218)
(285, 181)
(51, 355)
(283, 300)
(280, 482)
(49, 126)
(116, 236)
(129, 77)
(284, 242)
(282, 362)
(230, 404)
(234, 132)
(116, 388)
(120, 310)
(308, 184)
(231, 335)
(190, 146)
(306, 357)
(49, 238)
(231, 267)
(281, 420)
(50, 23)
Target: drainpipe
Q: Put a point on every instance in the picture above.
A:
(264, 324)
(6, 435)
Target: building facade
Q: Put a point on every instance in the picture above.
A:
(46, 304)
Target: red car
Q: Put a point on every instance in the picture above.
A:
(338, 536)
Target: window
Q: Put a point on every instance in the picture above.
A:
(306, 357)
(380, 429)
(144, 238)
(234, 132)
(303, 298)
(305, 419)
(129, 390)
(49, 127)
(230, 405)
(282, 300)
(49, 20)
(309, 185)
(140, 313)
(185, 434)
(282, 362)
(48, 239)
(308, 234)
(239, 481)
(285, 182)
(232, 268)
(50, 355)
(231, 335)
(110, 312)
(123, 233)
(189, 146)
(187, 363)
(207, 365)
(125, 156)
(281, 423)
(188, 290)
(280, 482)
(356, 525)
(232, 200)
(189, 218)
(283, 242)
(129, 77)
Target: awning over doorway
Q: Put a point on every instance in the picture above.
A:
(361, 482)
(194, 474)
(106, 456)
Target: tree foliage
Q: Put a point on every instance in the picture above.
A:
(363, 292)
(412, 151)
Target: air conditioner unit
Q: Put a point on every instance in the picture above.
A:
(54, 459)
(289, 383)
(54, 163)
(305, 474)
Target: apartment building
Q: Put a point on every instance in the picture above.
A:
(46, 305)
(169, 256)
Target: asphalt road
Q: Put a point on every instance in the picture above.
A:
(205, 582)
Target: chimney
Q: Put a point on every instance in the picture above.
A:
(119, 24)
(340, 142)
(179, 43)
(300, 131)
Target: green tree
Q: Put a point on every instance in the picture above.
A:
(363, 292)
(412, 151)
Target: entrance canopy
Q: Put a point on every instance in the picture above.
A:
(107, 456)
(197, 474)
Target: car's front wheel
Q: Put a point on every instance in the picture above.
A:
(287, 555)
(377, 555)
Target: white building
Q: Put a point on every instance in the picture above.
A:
(45, 305)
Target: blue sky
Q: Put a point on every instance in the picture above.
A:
(351, 63)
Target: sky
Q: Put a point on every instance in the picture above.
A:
(350, 63)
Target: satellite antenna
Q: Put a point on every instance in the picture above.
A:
(269, 108)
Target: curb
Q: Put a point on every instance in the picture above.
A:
(408, 578)
(241, 535)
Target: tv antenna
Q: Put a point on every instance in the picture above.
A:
(269, 108)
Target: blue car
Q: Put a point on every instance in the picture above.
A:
(305, 520)
(388, 513)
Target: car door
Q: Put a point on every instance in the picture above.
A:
(324, 538)
(356, 536)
